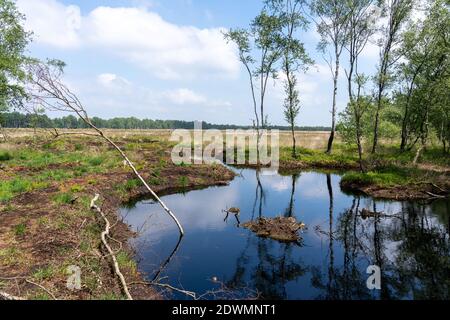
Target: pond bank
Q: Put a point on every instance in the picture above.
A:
(386, 181)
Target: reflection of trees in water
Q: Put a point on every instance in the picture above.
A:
(268, 272)
(290, 210)
(422, 264)
(260, 196)
(273, 265)
(412, 249)
(343, 282)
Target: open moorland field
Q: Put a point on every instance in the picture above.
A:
(47, 184)
(306, 139)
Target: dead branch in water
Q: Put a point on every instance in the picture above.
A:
(105, 234)
(435, 196)
(252, 295)
(48, 91)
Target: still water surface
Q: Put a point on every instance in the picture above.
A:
(409, 241)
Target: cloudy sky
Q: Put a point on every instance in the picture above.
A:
(167, 59)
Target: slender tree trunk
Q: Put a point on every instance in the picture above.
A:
(333, 109)
(377, 120)
(294, 151)
(255, 108)
(404, 142)
(359, 143)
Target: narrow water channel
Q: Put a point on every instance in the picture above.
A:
(409, 241)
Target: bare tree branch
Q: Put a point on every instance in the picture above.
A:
(47, 89)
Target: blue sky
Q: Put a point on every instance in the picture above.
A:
(168, 60)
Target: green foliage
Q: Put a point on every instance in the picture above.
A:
(5, 156)
(21, 120)
(424, 81)
(13, 41)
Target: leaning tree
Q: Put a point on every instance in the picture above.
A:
(47, 90)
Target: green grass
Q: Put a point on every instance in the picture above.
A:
(76, 188)
(11, 188)
(382, 179)
(183, 181)
(63, 198)
(12, 256)
(129, 185)
(20, 229)
(339, 157)
(44, 273)
(125, 261)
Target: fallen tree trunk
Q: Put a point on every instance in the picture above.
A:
(110, 251)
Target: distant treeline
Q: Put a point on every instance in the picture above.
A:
(20, 120)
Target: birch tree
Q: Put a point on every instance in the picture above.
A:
(332, 26)
(294, 56)
(362, 17)
(13, 42)
(397, 12)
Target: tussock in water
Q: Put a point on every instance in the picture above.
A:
(279, 228)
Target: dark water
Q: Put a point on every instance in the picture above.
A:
(409, 242)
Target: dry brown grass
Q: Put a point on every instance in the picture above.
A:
(305, 139)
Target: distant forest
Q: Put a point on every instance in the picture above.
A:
(21, 120)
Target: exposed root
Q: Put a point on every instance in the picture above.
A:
(110, 251)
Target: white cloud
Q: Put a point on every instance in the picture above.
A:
(113, 81)
(184, 96)
(138, 35)
(52, 22)
(117, 96)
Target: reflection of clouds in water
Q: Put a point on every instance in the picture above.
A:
(281, 186)
(189, 208)
(310, 186)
